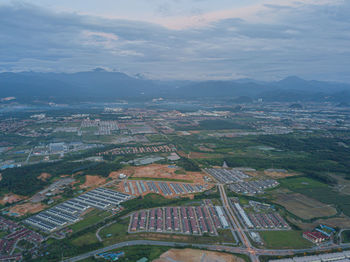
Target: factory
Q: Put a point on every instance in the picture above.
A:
(339, 256)
(70, 212)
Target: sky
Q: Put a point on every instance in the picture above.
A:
(179, 39)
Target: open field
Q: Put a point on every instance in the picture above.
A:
(11, 198)
(92, 181)
(90, 218)
(341, 222)
(278, 174)
(298, 183)
(284, 239)
(303, 206)
(27, 208)
(195, 255)
(345, 236)
(159, 171)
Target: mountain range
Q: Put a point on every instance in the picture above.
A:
(101, 85)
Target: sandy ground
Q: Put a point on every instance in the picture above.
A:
(11, 198)
(26, 208)
(159, 171)
(93, 181)
(44, 176)
(194, 255)
(279, 174)
(304, 207)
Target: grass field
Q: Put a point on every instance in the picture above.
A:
(345, 236)
(86, 239)
(90, 219)
(284, 239)
(304, 207)
(300, 183)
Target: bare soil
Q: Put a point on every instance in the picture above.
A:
(194, 255)
(44, 176)
(93, 181)
(11, 198)
(27, 208)
(303, 206)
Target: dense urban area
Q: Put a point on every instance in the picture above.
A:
(164, 179)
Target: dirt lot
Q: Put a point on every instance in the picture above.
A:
(275, 174)
(11, 198)
(156, 171)
(26, 208)
(160, 171)
(341, 222)
(93, 181)
(44, 176)
(303, 206)
(194, 255)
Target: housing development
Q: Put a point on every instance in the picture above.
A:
(267, 182)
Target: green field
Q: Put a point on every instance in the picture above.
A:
(345, 236)
(297, 183)
(284, 239)
(92, 218)
(86, 239)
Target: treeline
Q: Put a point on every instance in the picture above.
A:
(188, 164)
(24, 181)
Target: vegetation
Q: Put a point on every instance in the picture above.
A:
(188, 164)
(345, 236)
(284, 239)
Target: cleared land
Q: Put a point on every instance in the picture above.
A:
(93, 181)
(11, 198)
(194, 255)
(27, 208)
(304, 207)
(155, 171)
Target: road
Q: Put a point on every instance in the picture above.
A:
(246, 247)
(240, 231)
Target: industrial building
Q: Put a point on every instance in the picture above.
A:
(69, 212)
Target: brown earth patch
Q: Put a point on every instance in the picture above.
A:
(199, 155)
(274, 174)
(303, 206)
(11, 198)
(157, 171)
(27, 208)
(44, 176)
(341, 222)
(194, 255)
(93, 181)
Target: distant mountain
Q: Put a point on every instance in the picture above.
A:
(101, 85)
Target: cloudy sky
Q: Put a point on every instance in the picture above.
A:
(179, 39)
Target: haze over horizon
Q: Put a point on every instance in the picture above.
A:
(195, 40)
